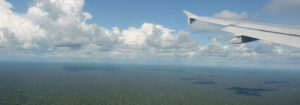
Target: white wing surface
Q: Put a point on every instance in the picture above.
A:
(249, 31)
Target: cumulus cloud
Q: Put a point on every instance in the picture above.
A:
(260, 53)
(18, 30)
(58, 28)
(162, 38)
(200, 26)
(66, 25)
(276, 6)
(222, 37)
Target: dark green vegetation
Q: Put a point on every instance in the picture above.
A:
(98, 84)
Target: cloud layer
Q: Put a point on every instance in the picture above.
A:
(58, 28)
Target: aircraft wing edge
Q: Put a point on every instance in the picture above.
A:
(273, 37)
(252, 31)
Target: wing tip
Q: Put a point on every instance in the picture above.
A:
(187, 13)
(191, 17)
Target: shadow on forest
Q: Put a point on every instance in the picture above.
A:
(276, 82)
(204, 82)
(249, 91)
(89, 68)
(191, 79)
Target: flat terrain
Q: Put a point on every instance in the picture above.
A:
(105, 84)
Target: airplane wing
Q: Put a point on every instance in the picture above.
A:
(249, 31)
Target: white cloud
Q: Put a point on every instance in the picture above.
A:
(22, 30)
(5, 5)
(222, 37)
(276, 6)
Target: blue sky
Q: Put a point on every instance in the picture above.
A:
(169, 12)
(141, 31)
(123, 14)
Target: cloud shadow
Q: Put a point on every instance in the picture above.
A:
(190, 79)
(249, 91)
(204, 82)
(88, 68)
(276, 82)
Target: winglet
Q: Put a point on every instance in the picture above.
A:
(191, 16)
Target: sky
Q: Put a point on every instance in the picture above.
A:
(141, 32)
